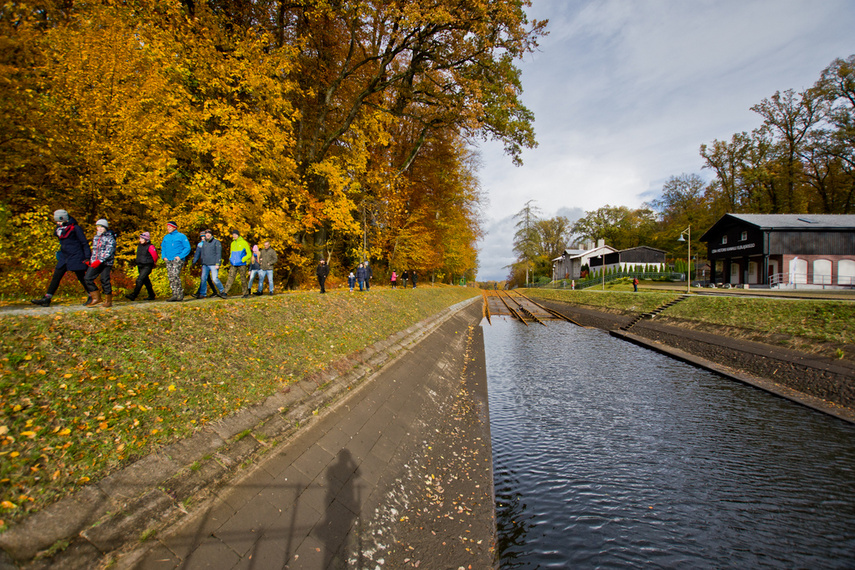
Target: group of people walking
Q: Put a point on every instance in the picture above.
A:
(89, 263)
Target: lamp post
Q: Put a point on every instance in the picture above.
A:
(688, 232)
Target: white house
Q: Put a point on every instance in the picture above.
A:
(569, 265)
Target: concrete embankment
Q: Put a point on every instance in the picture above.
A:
(821, 383)
(389, 464)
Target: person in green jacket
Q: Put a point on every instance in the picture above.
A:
(239, 255)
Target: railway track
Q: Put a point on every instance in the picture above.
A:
(518, 306)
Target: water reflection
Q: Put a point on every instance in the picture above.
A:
(609, 455)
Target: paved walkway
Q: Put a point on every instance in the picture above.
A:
(332, 497)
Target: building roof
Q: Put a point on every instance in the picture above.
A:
(580, 253)
(642, 247)
(784, 222)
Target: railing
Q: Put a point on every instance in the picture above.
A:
(794, 280)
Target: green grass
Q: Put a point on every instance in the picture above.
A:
(86, 392)
(813, 320)
(609, 300)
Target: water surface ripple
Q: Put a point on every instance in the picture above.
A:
(608, 455)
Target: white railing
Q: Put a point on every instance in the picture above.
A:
(794, 280)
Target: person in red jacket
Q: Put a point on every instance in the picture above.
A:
(146, 260)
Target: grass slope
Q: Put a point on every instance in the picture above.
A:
(818, 326)
(86, 392)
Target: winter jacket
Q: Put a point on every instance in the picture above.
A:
(174, 245)
(73, 247)
(211, 252)
(361, 274)
(323, 270)
(267, 258)
(240, 253)
(146, 254)
(104, 248)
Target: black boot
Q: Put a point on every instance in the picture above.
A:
(130, 297)
(43, 302)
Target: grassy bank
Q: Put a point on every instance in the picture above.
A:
(819, 326)
(88, 391)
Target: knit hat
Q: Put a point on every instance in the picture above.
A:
(234, 231)
(146, 236)
(172, 225)
(102, 222)
(255, 248)
(60, 216)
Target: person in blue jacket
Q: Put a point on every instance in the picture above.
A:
(73, 253)
(174, 248)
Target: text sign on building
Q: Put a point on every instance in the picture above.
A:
(743, 247)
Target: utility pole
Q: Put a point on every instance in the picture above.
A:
(527, 239)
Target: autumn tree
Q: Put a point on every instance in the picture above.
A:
(620, 226)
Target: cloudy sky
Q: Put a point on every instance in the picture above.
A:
(624, 92)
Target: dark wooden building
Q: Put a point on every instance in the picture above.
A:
(782, 249)
(633, 259)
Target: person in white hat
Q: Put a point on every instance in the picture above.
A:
(101, 263)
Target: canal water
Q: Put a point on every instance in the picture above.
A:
(608, 455)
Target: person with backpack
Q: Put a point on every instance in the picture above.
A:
(197, 257)
(101, 263)
(267, 258)
(175, 248)
(254, 270)
(239, 256)
(72, 255)
(145, 260)
(210, 252)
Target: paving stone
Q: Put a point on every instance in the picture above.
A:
(313, 461)
(311, 554)
(285, 490)
(246, 526)
(332, 531)
(211, 554)
(185, 538)
(334, 441)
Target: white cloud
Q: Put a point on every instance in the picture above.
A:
(625, 92)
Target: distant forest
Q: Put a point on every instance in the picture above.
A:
(801, 160)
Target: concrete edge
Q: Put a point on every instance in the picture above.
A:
(122, 499)
(764, 384)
